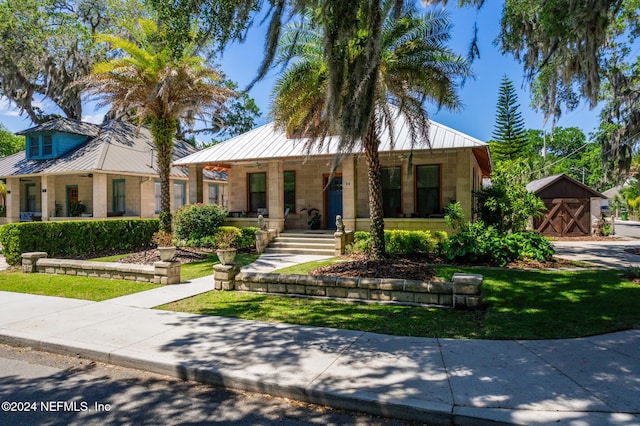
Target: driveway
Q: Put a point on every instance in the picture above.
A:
(607, 254)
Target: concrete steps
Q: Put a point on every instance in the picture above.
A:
(303, 243)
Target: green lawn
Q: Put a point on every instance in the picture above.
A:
(95, 289)
(189, 271)
(518, 305)
(203, 268)
(98, 289)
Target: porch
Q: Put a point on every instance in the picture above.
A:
(302, 194)
(86, 196)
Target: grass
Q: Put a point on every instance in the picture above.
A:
(518, 305)
(305, 268)
(190, 271)
(98, 289)
(202, 268)
(95, 289)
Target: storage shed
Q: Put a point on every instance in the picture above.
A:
(571, 206)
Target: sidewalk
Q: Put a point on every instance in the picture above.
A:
(589, 381)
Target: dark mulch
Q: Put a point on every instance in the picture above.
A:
(148, 257)
(413, 269)
(387, 268)
(555, 263)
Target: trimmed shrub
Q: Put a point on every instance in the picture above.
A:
(75, 238)
(400, 242)
(483, 244)
(247, 239)
(361, 243)
(196, 221)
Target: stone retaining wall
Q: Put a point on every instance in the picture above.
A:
(464, 291)
(158, 273)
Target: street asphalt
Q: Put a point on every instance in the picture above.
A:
(587, 381)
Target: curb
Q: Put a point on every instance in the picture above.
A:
(423, 412)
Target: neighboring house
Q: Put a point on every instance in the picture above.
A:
(613, 194)
(572, 207)
(272, 174)
(76, 169)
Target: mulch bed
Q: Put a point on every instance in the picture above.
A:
(415, 268)
(148, 257)
(555, 263)
(387, 268)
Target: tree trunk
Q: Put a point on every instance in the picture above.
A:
(163, 130)
(376, 211)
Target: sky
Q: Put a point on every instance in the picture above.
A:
(479, 96)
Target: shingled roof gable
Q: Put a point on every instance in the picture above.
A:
(539, 185)
(114, 146)
(65, 125)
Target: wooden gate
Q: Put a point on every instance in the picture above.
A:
(565, 217)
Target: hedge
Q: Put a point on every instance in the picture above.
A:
(74, 238)
(402, 243)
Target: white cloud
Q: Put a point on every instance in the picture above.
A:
(95, 118)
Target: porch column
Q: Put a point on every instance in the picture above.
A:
(13, 199)
(48, 196)
(196, 185)
(148, 197)
(349, 193)
(100, 202)
(463, 182)
(275, 195)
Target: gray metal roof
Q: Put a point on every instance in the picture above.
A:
(267, 142)
(118, 147)
(536, 185)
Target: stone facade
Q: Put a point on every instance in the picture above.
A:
(464, 291)
(459, 177)
(263, 238)
(223, 276)
(158, 273)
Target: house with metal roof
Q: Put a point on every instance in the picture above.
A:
(75, 169)
(272, 174)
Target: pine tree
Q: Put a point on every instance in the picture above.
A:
(509, 134)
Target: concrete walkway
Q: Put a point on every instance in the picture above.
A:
(172, 293)
(589, 381)
(605, 254)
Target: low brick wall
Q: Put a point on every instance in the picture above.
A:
(464, 291)
(158, 273)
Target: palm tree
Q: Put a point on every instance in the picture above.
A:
(415, 67)
(157, 85)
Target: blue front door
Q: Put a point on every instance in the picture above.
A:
(333, 205)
